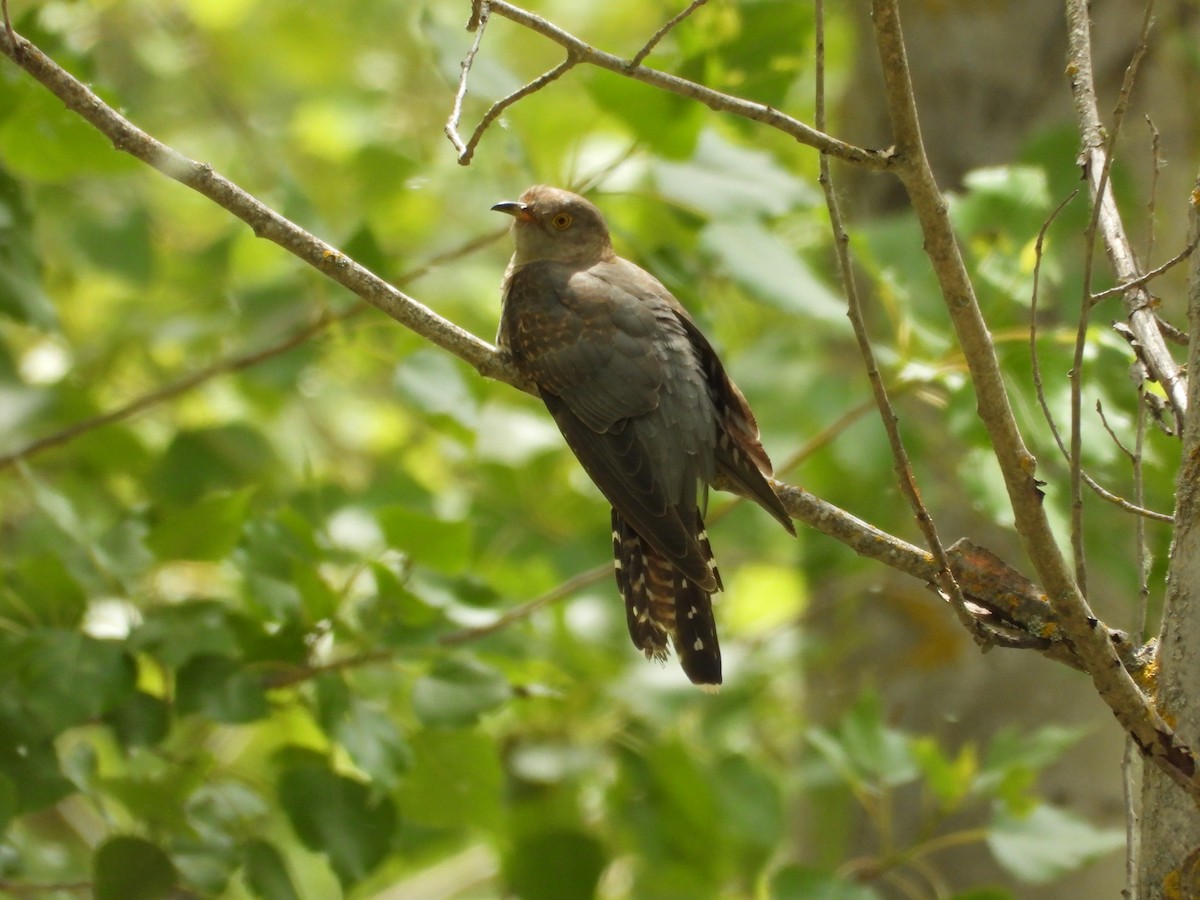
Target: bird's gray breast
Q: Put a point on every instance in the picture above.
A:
(608, 341)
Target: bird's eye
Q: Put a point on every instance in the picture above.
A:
(562, 221)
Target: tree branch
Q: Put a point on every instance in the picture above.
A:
(1138, 717)
(877, 160)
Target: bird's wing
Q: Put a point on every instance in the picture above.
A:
(739, 450)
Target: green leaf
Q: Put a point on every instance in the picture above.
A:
(433, 382)
(666, 122)
(266, 871)
(802, 883)
(985, 893)
(178, 632)
(1012, 761)
(206, 530)
(221, 689)
(864, 751)
(43, 140)
(555, 865)
(224, 458)
(9, 802)
(457, 691)
(437, 543)
(759, 261)
(339, 817)
(1048, 842)
(21, 296)
(31, 769)
(730, 182)
(948, 780)
(42, 590)
(130, 868)
(68, 678)
(371, 738)
(455, 780)
(141, 721)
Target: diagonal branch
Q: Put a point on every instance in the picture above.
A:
(265, 222)
(649, 46)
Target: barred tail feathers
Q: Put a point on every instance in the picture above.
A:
(661, 603)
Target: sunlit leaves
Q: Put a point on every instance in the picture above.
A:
(1046, 842)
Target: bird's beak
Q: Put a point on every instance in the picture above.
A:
(514, 208)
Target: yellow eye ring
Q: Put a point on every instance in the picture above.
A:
(562, 221)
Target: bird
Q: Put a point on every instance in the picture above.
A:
(645, 405)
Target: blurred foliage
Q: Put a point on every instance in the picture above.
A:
(240, 645)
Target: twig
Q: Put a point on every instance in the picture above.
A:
(662, 32)
(1156, 164)
(1136, 714)
(477, 24)
(1040, 391)
(8, 29)
(183, 385)
(467, 151)
(478, 12)
(232, 364)
(905, 477)
(559, 592)
(876, 160)
(1148, 277)
(1034, 358)
(15, 889)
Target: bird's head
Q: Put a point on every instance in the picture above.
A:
(556, 225)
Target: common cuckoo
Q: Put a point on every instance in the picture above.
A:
(645, 405)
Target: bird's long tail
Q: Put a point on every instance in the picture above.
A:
(660, 602)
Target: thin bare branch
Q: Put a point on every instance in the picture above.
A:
(525, 610)
(1039, 387)
(662, 32)
(173, 390)
(1034, 358)
(467, 151)
(1136, 714)
(1156, 164)
(906, 479)
(877, 160)
(477, 24)
(1142, 280)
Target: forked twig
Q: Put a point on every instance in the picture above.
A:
(467, 150)
(478, 24)
(1142, 280)
(662, 32)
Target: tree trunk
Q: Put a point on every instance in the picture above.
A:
(1169, 860)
